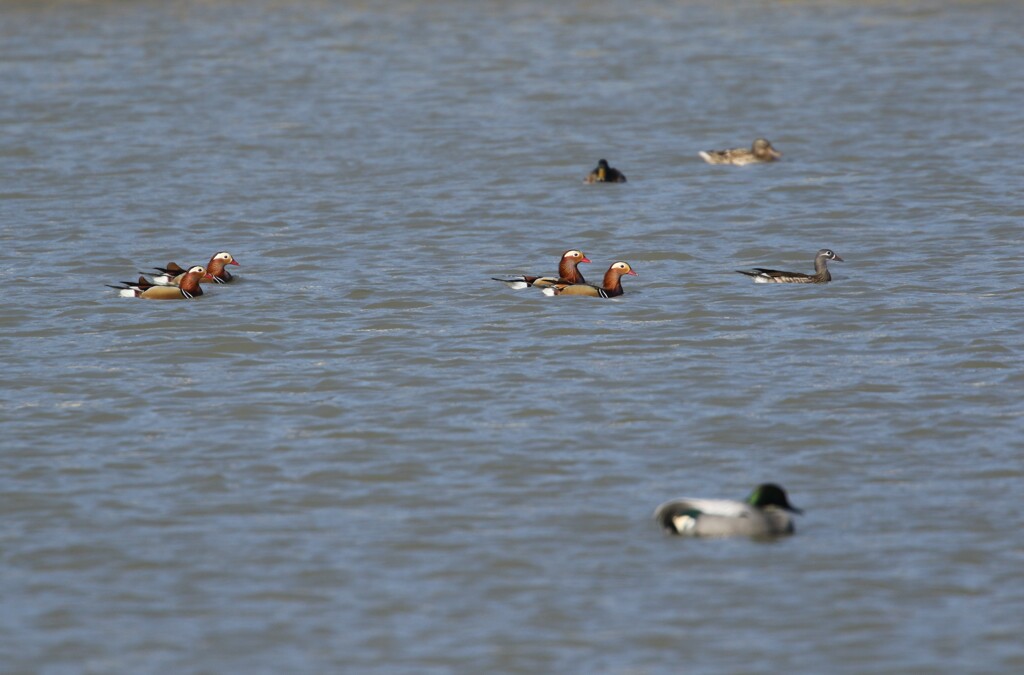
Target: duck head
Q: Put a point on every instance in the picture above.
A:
(770, 494)
(762, 148)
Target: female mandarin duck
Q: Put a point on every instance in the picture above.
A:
(611, 286)
(186, 289)
(761, 151)
(568, 273)
(172, 274)
(764, 514)
(821, 274)
(605, 174)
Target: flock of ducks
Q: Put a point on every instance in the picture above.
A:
(765, 513)
(570, 280)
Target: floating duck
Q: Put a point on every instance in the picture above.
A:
(761, 151)
(172, 274)
(605, 174)
(568, 273)
(766, 513)
(188, 287)
(821, 274)
(609, 288)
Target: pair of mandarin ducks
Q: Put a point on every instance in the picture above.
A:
(570, 280)
(177, 283)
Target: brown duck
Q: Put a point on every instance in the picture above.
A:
(568, 273)
(761, 151)
(173, 273)
(611, 286)
(821, 274)
(186, 289)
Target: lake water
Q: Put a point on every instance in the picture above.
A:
(366, 456)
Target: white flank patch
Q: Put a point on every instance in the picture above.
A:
(762, 279)
(517, 285)
(684, 523)
(163, 280)
(705, 156)
(126, 293)
(550, 291)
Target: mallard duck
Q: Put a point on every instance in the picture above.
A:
(568, 273)
(821, 274)
(605, 174)
(765, 513)
(760, 151)
(609, 288)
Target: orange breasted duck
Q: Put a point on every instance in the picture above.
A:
(605, 174)
(172, 274)
(611, 286)
(186, 289)
(821, 274)
(761, 151)
(568, 273)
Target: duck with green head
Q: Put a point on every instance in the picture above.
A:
(765, 513)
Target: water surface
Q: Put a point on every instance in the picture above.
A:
(366, 456)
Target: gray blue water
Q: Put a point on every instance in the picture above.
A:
(366, 456)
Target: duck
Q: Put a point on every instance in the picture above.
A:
(172, 274)
(568, 273)
(765, 513)
(760, 152)
(186, 289)
(605, 174)
(821, 274)
(611, 286)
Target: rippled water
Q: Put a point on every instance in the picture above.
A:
(366, 456)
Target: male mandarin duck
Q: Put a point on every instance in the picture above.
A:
(188, 287)
(605, 174)
(172, 274)
(765, 513)
(761, 151)
(568, 273)
(611, 286)
(821, 274)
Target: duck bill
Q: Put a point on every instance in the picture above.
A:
(632, 273)
(584, 259)
(775, 153)
(838, 259)
(795, 510)
(235, 262)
